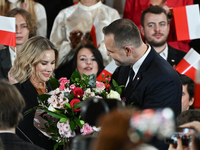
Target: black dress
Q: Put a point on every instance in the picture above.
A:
(26, 126)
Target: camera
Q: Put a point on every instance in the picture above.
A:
(180, 132)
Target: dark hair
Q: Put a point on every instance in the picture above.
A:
(154, 10)
(190, 85)
(188, 116)
(96, 54)
(31, 23)
(11, 105)
(125, 33)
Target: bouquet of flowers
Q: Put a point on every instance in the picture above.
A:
(61, 106)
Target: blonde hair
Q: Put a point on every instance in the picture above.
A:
(30, 4)
(4, 7)
(29, 55)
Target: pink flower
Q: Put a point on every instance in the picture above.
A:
(62, 86)
(99, 87)
(72, 86)
(86, 129)
(63, 81)
(108, 79)
(64, 129)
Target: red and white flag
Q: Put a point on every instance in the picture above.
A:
(189, 64)
(108, 71)
(96, 32)
(7, 31)
(187, 22)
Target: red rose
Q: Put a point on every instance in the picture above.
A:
(78, 92)
(73, 102)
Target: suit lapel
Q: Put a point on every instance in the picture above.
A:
(172, 56)
(138, 77)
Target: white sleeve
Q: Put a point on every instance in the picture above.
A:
(58, 36)
(42, 19)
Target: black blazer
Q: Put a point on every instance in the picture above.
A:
(13, 142)
(30, 94)
(174, 55)
(156, 85)
(5, 62)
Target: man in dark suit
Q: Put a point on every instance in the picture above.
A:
(11, 106)
(25, 28)
(155, 28)
(149, 80)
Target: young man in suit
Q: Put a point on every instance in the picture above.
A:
(11, 106)
(149, 80)
(155, 29)
(25, 28)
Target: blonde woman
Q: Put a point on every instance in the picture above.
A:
(32, 68)
(38, 12)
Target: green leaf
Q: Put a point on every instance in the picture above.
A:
(68, 105)
(55, 115)
(57, 144)
(82, 122)
(84, 77)
(77, 105)
(78, 122)
(63, 120)
(75, 75)
(67, 94)
(114, 83)
(54, 83)
(42, 98)
(119, 90)
(72, 125)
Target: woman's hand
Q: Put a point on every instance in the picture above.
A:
(179, 145)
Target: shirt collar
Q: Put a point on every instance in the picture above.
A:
(137, 65)
(89, 8)
(164, 53)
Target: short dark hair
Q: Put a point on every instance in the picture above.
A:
(11, 105)
(96, 54)
(125, 33)
(31, 22)
(188, 116)
(190, 85)
(154, 10)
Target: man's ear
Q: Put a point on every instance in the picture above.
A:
(128, 50)
(142, 30)
(191, 101)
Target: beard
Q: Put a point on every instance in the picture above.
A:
(155, 43)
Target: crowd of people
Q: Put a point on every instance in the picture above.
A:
(56, 43)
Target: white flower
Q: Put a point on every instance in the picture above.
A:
(96, 129)
(51, 108)
(114, 94)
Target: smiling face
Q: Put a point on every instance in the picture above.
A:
(86, 62)
(45, 67)
(119, 56)
(156, 29)
(22, 32)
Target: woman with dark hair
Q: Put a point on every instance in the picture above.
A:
(86, 59)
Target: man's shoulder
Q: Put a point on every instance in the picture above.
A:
(12, 141)
(179, 52)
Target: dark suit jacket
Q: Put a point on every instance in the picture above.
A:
(5, 63)
(13, 142)
(156, 85)
(26, 125)
(174, 55)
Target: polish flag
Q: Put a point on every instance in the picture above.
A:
(7, 31)
(187, 22)
(189, 64)
(96, 32)
(108, 71)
